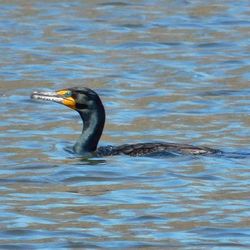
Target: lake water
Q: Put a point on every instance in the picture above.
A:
(175, 71)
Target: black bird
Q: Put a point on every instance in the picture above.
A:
(89, 105)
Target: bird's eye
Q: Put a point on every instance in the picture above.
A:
(68, 94)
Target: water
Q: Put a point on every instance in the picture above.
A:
(174, 71)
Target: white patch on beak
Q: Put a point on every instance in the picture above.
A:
(46, 96)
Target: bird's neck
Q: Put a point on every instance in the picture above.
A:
(93, 124)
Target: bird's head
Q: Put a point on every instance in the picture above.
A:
(80, 99)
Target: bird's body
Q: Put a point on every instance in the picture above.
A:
(89, 105)
(155, 149)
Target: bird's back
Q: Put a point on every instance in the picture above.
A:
(155, 148)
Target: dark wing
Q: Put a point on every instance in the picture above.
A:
(151, 149)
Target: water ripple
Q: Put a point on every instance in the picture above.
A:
(172, 71)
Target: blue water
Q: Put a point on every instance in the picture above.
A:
(175, 71)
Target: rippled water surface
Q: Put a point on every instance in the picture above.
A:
(174, 71)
